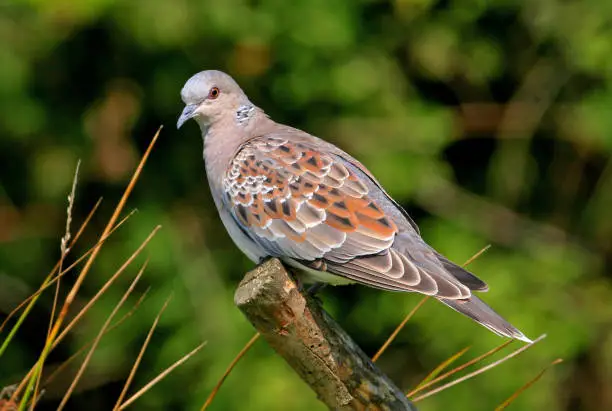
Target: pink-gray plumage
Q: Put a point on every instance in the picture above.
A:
(284, 193)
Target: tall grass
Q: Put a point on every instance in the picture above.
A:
(27, 392)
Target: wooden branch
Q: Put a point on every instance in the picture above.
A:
(321, 352)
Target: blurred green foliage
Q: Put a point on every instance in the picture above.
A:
(489, 121)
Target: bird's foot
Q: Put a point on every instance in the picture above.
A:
(294, 274)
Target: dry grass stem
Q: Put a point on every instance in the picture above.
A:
(479, 371)
(54, 306)
(109, 226)
(399, 328)
(50, 281)
(475, 256)
(105, 287)
(127, 315)
(102, 331)
(459, 368)
(64, 241)
(518, 392)
(64, 251)
(229, 369)
(394, 334)
(32, 300)
(79, 280)
(126, 386)
(161, 376)
(99, 243)
(444, 365)
(91, 302)
(44, 284)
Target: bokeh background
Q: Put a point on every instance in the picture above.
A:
(489, 121)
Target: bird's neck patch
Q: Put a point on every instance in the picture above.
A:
(244, 113)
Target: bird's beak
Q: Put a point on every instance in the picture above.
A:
(188, 112)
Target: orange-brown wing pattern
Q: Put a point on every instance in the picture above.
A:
(304, 205)
(300, 203)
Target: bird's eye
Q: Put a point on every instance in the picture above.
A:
(213, 93)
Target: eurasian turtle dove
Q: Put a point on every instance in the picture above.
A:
(284, 193)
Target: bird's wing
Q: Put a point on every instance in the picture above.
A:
(299, 202)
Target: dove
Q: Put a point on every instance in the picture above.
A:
(281, 192)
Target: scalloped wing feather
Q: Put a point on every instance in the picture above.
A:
(299, 202)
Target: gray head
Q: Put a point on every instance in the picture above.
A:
(208, 96)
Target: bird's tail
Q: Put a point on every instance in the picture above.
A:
(484, 315)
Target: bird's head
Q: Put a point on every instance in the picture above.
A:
(208, 96)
